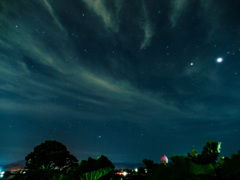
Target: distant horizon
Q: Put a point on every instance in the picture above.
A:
(127, 162)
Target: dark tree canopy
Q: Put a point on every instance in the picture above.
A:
(94, 168)
(94, 164)
(209, 154)
(51, 155)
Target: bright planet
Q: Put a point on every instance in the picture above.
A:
(219, 60)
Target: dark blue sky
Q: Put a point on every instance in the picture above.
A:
(127, 79)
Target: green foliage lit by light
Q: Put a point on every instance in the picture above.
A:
(93, 169)
(94, 175)
(197, 169)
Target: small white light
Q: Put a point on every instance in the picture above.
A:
(125, 173)
(219, 60)
(191, 64)
(2, 174)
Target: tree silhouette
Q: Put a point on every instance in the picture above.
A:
(50, 155)
(93, 168)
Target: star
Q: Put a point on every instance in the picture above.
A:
(219, 60)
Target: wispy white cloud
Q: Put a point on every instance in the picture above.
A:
(53, 15)
(148, 33)
(75, 84)
(211, 14)
(84, 86)
(147, 28)
(108, 17)
(178, 7)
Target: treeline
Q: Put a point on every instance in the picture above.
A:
(197, 166)
(52, 161)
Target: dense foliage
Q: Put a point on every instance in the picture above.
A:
(196, 166)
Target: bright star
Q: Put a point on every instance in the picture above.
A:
(219, 60)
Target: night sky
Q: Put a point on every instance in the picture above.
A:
(127, 79)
